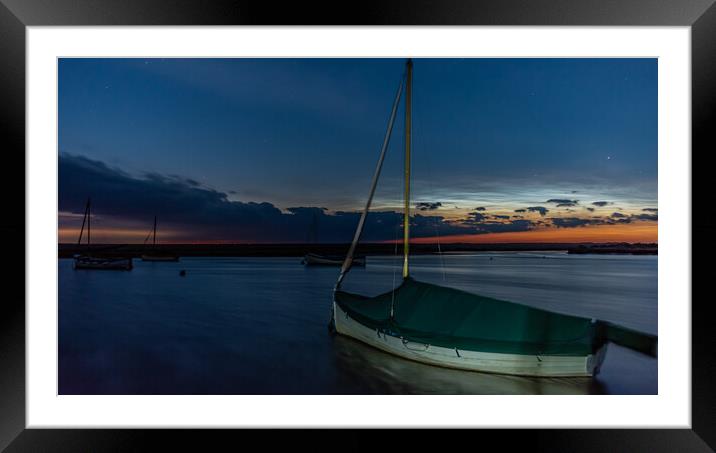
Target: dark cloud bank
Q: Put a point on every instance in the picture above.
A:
(206, 214)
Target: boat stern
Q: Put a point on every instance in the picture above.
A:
(594, 361)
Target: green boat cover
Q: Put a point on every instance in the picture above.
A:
(451, 318)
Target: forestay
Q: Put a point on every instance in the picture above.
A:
(348, 262)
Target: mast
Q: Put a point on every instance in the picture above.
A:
(154, 241)
(89, 220)
(84, 220)
(406, 196)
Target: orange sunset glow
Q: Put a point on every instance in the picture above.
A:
(636, 232)
(643, 232)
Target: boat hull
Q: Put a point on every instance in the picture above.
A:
(317, 260)
(463, 359)
(110, 264)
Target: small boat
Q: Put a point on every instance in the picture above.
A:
(88, 261)
(313, 259)
(155, 255)
(447, 327)
(100, 263)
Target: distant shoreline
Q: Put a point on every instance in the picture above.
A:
(290, 250)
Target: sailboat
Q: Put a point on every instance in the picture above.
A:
(87, 260)
(447, 327)
(154, 255)
(315, 259)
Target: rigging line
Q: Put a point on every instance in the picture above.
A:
(148, 236)
(89, 220)
(361, 223)
(419, 140)
(435, 226)
(440, 252)
(396, 262)
(84, 219)
(395, 270)
(407, 164)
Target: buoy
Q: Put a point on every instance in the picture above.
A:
(182, 273)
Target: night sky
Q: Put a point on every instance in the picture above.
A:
(282, 150)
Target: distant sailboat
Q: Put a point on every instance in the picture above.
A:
(456, 329)
(155, 255)
(87, 261)
(315, 259)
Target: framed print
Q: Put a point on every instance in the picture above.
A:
(241, 218)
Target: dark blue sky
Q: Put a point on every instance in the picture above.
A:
(501, 133)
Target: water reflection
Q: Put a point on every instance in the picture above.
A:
(369, 370)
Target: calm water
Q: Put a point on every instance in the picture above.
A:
(258, 325)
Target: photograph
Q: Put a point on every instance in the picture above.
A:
(355, 226)
(466, 217)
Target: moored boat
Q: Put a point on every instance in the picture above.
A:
(317, 259)
(89, 261)
(447, 327)
(455, 329)
(314, 259)
(103, 263)
(154, 254)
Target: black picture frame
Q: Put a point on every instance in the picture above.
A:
(16, 15)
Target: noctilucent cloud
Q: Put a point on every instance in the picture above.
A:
(264, 150)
